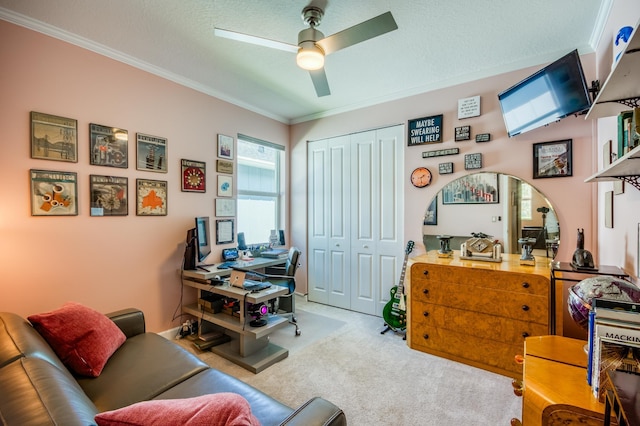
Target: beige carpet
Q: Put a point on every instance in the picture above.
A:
(376, 379)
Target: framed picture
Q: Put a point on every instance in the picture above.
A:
(225, 207)
(53, 137)
(552, 159)
(225, 186)
(194, 178)
(425, 130)
(224, 231)
(462, 133)
(109, 146)
(151, 152)
(476, 188)
(109, 195)
(54, 193)
(608, 209)
(151, 197)
(431, 216)
(445, 168)
(225, 147)
(473, 161)
(224, 166)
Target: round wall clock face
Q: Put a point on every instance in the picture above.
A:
(421, 177)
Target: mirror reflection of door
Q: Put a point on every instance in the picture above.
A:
(522, 211)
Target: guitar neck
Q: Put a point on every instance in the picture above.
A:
(404, 269)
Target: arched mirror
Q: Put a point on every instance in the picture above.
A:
(502, 206)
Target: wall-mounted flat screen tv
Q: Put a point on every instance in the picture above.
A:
(551, 94)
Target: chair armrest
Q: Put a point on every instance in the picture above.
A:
(130, 321)
(280, 270)
(316, 412)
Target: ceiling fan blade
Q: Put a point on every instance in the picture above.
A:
(320, 82)
(255, 40)
(363, 31)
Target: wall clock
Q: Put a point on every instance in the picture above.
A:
(421, 177)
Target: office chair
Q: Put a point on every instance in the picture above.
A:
(284, 276)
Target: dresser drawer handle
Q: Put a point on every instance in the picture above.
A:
(425, 291)
(425, 313)
(519, 359)
(425, 336)
(426, 272)
(525, 334)
(525, 285)
(517, 387)
(525, 308)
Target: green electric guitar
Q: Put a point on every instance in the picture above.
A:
(395, 311)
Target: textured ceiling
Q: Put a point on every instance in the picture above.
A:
(439, 43)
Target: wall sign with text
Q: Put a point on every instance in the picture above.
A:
(425, 130)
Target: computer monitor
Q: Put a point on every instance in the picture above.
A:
(203, 238)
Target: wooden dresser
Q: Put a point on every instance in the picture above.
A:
(554, 389)
(477, 312)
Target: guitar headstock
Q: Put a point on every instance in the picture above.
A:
(409, 248)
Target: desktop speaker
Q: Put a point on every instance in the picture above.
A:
(242, 245)
(190, 250)
(281, 237)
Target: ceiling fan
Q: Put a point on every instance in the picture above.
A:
(313, 46)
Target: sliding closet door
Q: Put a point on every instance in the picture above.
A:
(328, 221)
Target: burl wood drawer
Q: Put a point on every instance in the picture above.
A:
(427, 316)
(463, 347)
(499, 280)
(518, 306)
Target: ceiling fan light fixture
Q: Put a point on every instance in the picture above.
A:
(310, 57)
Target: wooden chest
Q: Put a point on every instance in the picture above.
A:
(475, 314)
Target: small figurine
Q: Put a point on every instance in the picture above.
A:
(582, 259)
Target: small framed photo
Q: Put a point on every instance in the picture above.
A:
(53, 137)
(552, 159)
(194, 176)
(225, 147)
(224, 166)
(224, 231)
(431, 215)
(462, 133)
(151, 197)
(475, 188)
(225, 186)
(225, 207)
(473, 161)
(109, 146)
(151, 153)
(109, 195)
(54, 193)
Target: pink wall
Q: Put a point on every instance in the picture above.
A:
(619, 245)
(105, 262)
(573, 199)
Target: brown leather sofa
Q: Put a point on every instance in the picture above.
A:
(37, 389)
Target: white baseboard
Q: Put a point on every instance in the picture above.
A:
(171, 333)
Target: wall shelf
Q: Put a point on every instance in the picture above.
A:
(626, 168)
(621, 91)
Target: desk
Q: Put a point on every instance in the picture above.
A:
(249, 346)
(212, 271)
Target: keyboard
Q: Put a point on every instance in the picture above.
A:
(226, 265)
(255, 285)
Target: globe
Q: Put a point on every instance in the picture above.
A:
(582, 294)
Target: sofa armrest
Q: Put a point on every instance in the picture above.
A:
(130, 321)
(316, 412)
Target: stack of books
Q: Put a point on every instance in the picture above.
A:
(614, 342)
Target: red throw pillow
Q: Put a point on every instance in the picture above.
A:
(220, 409)
(84, 339)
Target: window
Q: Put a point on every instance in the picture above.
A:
(525, 202)
(260, 188)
